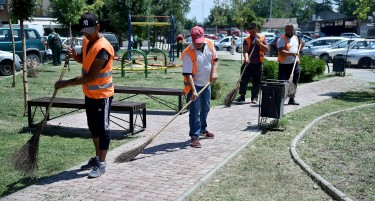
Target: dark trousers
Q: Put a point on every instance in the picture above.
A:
(284, 73)
(255, 72)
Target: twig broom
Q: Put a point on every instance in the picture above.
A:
(291, 87)
(26, 158)
(129, 155)
(232, 93)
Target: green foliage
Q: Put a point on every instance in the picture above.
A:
(311, 67)
(270, 69)
(23, 9)
(67, 12)
(216, 89)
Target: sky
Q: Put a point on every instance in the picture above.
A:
(199, 6)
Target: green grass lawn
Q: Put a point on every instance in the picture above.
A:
(340, 148)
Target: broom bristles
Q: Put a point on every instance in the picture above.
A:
(25, 159)
(129, 155)
(230, 97)
(290, 88)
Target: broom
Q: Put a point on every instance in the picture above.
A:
(26, 158)
(232, 93)
(129, 155)
(291, 87)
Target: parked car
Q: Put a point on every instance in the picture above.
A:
(113, 40)
(314, 34)
(362, 58)
(319, 43)
(342, 48)
(350, 35)
(35, 49)
(306, 38)
(272, 47)
(66, 44)
(269, 35)
(6, 63)
(224, 43)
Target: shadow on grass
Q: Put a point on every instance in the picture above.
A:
(70, 132)
(362, 96)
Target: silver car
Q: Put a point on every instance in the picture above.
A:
(339, 48)
(224, 43)
(319, 43)
(363, 58)
(6, 63)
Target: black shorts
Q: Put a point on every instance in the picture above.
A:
(97, 112)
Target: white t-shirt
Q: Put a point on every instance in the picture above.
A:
(204, 65)
(293, 43)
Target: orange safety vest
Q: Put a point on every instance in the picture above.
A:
(102, 85)
(261, 53)
(191, 52)
(281, 58)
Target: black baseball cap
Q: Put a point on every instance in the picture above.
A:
(251, 26)
(88, 22)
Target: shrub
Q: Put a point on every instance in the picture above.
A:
(216, 89)
(270, 69)
(32, 71)
(311, 67)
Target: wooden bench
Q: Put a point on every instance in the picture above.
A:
(131, 107)
(151, 92)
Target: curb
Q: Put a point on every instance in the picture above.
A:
(324, 184)
(187, 194)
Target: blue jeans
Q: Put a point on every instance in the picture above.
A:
(198, 111)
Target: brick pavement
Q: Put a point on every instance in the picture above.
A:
(169, 169)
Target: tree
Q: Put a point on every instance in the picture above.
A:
(67, 12)
(23, 10)
(13, 48)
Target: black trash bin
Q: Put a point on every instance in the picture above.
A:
(339, 64)
(272, 101)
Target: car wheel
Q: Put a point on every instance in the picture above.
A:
(32, 57)
(238, 49)
(216, 48)
(325, 57)
(364, 63)
(6, 68)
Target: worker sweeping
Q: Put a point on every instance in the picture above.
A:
(200, 63)
(254, 47)
(96, 80)
(288, 58)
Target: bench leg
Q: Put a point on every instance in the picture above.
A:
(131, 122)
(29, 118)
(144, 117)
(179, 102)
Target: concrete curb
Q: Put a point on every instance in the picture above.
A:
(324, 184)
(187, 194)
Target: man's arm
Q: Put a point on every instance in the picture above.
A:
(194, 93)
(213, 75)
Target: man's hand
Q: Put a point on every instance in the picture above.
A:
(71, 53)
(213, 77)
(194, 96)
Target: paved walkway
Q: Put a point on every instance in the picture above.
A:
(169, 169)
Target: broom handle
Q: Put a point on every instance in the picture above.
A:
(66, 64)
(251, 53)
(295, 62)
(179, 112)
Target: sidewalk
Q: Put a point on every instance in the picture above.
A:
(169, 169)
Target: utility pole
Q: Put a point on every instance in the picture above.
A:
(270, 15)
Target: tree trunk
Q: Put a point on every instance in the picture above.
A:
(24, 69)
(71, 42)
(13, 48)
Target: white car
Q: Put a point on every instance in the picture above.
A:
(362, 58)
(224, 43)
(341, 48)
(319, 43)
(66, 44)
(6, 63)
(269, 35)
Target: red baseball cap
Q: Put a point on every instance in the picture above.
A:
(197, 34)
